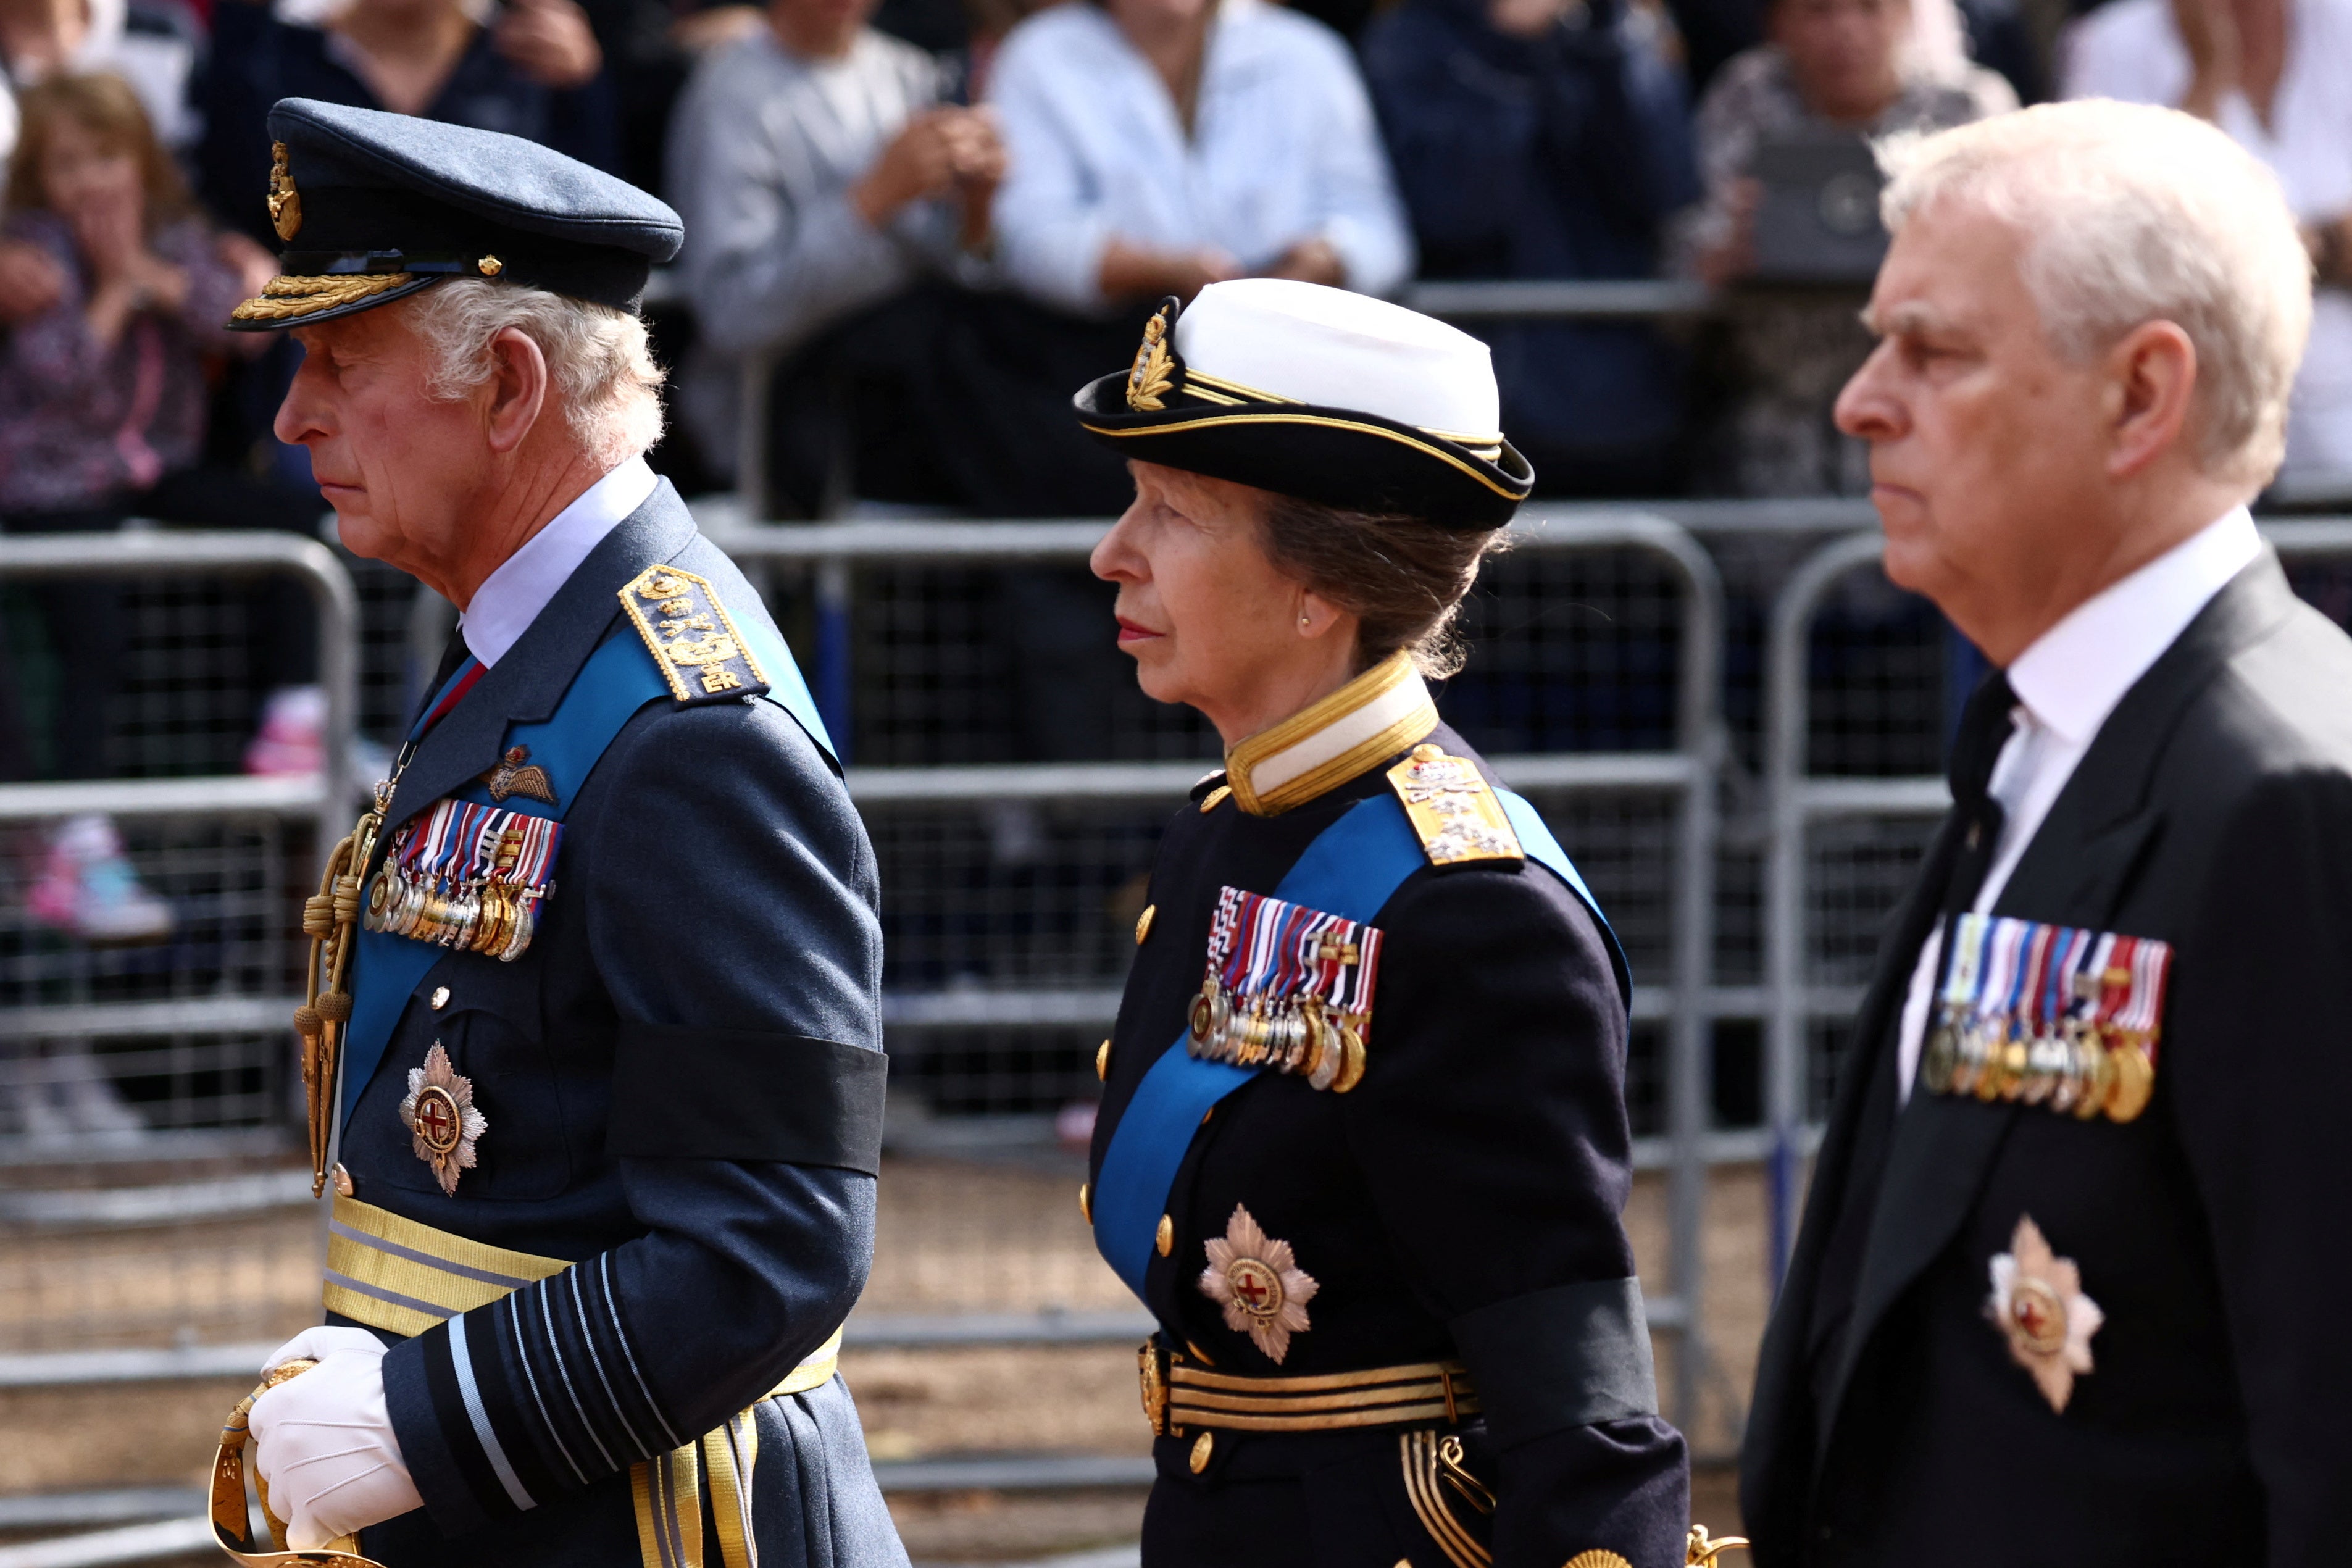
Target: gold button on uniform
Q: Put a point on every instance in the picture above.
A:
(1143, 922)
(440, 997)
(1202, 1447)
(1086, 1201)
(1215, 798)
(341, 1178)
(1102, 1061)
(1167, 1235)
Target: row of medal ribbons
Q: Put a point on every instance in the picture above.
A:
(2050, 1015)
(467, 877)
(1288, 988)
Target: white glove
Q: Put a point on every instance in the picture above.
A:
(323, 1441)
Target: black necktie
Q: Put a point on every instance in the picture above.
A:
(1985, 727)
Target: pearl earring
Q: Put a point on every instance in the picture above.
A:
(1306, 620)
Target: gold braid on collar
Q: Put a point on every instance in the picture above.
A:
(1372, 717)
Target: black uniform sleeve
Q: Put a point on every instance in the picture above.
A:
(1491, 1125)
(2255, 1052)
(731, 901)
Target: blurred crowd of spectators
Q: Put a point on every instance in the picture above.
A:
(915, 226)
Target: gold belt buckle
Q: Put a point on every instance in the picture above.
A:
(1152, 1372)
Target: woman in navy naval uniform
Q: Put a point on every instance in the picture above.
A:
(1363, 1143)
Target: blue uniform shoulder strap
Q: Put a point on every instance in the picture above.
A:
(1351, 869)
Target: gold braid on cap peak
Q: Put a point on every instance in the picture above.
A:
(282, 296)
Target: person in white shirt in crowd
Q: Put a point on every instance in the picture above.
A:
(825, 176)
(1161, 145)
(1157, 146)
(2277, 76)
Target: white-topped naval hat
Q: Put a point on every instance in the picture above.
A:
(1322, 393)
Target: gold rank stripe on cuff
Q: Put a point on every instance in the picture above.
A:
(403, 1276)
(1325, 744)
(1381, 1396)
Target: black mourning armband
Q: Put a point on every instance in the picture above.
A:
(1568, 1356)
(687, 1093)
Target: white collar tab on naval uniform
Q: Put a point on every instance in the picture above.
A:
(1323, 745)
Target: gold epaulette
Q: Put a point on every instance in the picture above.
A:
(691, 637)
(1453, 808)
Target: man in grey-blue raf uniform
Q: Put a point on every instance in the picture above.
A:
(607, 1098)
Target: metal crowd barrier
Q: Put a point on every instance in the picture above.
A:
(217, 979)
(1804, 985)
(153, 553)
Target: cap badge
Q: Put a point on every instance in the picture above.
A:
(440, 1116)
(284, 201)
(518, 774)
(1259, 1284)
(1153, 373)
(489, 267)
(2037, 1304)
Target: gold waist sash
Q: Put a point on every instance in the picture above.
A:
(1178, 1395)
(404, 1277)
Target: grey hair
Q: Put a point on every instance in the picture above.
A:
(1401, 578)
(2133, 213)
(598, 357)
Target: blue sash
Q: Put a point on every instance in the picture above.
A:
(1353, 868)
(617, 679)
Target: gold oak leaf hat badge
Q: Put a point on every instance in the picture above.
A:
(440, 1116)
(1153, 373)
(2039, 1306)
(284, 201)
(1259, 1284)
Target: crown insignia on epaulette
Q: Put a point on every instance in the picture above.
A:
(691, 637)
(1453, 809)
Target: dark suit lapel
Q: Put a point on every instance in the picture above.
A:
(2080, 866)
(525, 686)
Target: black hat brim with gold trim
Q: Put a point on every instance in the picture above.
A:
(374, 207)
(1161, 411)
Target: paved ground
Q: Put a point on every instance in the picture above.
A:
(953, 1236)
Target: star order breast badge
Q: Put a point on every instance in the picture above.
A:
(2039, 1306)
(1259, 1284)
(440, 1116)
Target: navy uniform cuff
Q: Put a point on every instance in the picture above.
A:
(419, 1428)
(508, 1407)
(1568, 1356)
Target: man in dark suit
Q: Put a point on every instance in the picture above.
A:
(2067, 1289)
(598, 1088)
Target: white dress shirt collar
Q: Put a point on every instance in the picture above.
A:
(2075, 673)
(510, 598)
